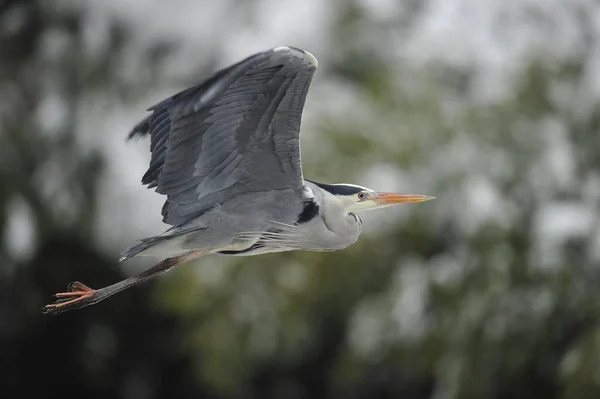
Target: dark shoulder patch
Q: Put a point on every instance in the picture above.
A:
(310, 211)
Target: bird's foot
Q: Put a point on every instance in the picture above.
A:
(77, 296)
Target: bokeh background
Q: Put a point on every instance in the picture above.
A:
(490, 291)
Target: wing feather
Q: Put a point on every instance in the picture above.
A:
(238, 131)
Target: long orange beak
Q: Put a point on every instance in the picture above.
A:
(394, 198)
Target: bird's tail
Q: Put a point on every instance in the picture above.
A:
(170, 243)
(141, 246)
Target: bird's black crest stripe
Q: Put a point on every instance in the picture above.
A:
(310, 211)
(338, 189)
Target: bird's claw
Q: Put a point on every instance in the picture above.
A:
(77, 296)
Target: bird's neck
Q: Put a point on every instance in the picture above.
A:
(339, 221)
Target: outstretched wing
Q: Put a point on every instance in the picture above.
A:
(236, 132)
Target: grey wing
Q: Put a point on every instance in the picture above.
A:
(236, 132)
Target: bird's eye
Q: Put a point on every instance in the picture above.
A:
(362, 195)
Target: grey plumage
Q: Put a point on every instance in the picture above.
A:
(235, 132)
(233, 136)
(226, 153)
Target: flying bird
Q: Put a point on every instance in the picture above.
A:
(226, 154)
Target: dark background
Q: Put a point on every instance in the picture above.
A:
(490, 291)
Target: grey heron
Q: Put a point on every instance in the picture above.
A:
(226, 154)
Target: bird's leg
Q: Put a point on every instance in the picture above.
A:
(79, 295)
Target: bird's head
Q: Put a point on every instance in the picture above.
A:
(357, 198)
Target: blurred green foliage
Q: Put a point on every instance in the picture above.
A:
(469, 296)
